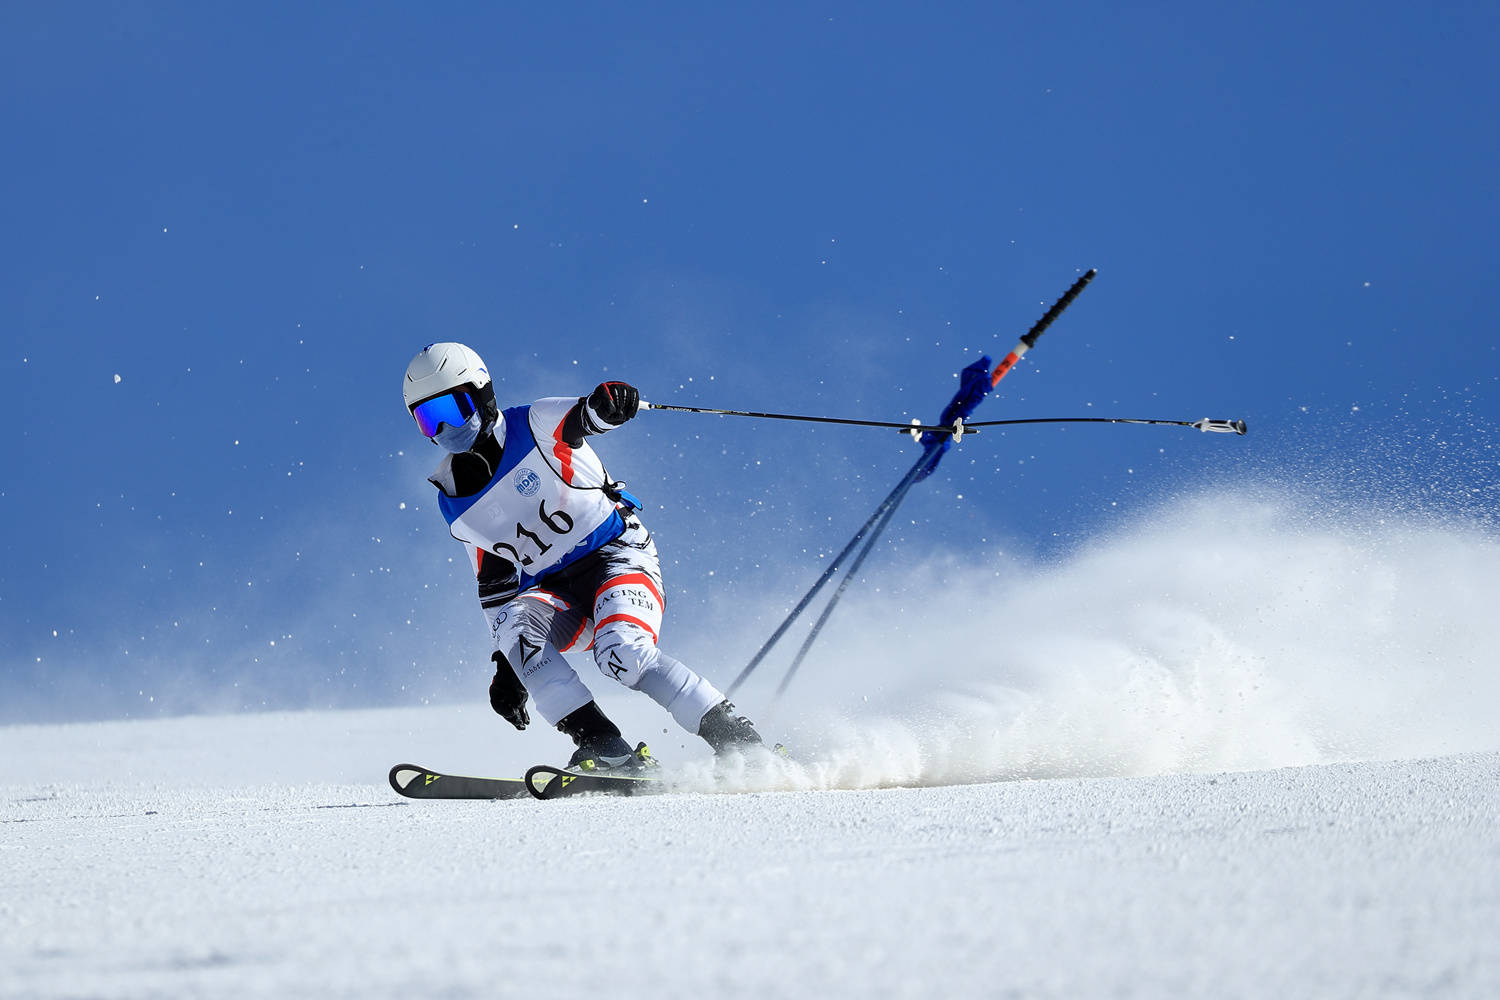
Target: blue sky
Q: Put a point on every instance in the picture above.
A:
(228, 231)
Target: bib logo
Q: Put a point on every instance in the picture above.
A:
(527, 482)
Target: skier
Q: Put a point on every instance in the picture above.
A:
(561, 556)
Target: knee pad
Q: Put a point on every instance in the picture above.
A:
(634, 660)
(554, 686)
(625, 655)
(526, 637)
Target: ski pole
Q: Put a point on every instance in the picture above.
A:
(914, 428)
(1206, 425)
(958, 429)
(795, 416)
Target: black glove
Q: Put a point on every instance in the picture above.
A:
(613, 403)
(507, 693)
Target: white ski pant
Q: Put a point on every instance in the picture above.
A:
(609, 602)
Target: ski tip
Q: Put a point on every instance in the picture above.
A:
(402, 775)
(540, 779)
(547, 782)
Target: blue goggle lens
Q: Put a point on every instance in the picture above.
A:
(452, 409)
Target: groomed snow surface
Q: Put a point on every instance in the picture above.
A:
(209, 857)
(1207, 757)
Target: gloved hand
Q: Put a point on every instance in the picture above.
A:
(614, 402)
(507, 693)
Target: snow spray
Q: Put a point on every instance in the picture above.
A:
(1290, 634)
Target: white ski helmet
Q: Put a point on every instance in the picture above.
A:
(448, 385)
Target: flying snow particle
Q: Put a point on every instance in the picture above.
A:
(117, 379)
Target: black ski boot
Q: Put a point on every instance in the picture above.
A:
(723, 730)
(631, 762)
(600, 745)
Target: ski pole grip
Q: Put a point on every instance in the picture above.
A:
(1057, 307)
(1208, 426)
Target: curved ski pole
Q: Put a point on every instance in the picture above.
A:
(959, 428)
(915, 428)
(918, 426)
(1207, 425)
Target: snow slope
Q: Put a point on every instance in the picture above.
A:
(262, 855)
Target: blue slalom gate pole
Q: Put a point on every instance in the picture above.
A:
(893, 501)
(975, 383)
(886, 505)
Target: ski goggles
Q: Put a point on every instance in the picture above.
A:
(451, 408)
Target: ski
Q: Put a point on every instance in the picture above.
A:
(422, 783)
(548, 782)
